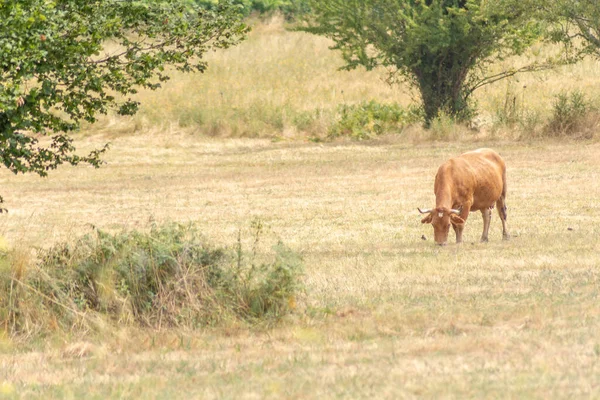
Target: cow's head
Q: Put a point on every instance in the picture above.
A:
(441, 218)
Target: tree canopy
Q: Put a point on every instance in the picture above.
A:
(576, 24)
(66, 61)
(441, 47)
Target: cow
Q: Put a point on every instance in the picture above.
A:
(473, 181)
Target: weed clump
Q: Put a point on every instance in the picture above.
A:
(167, 277)
(572, 115)
(369, 119)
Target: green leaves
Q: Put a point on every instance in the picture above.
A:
(573, 21)
(288, 7)
(65, 61)
(369, 119)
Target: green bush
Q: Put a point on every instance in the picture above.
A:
(167, 277)
(569, 114)
(369, 119)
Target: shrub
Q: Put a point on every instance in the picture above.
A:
(569, 114)
(314, 123)
(369, 119)
(168, 277)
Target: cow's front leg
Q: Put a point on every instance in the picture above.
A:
(458, 228)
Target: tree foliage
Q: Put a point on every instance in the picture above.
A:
(441, 47)
(66, 61)
(576, 24)
(289, 8)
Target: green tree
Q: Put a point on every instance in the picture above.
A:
(576, 24)
(441, 47)
(66, 61)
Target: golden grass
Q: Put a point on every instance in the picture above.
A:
(386, 314)
(283, 84)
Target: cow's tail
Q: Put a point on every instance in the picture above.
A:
(502, 204)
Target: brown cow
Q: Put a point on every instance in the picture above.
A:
(472, 181)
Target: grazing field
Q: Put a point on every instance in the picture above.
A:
(386, 314)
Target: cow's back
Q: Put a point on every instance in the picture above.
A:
(478, 174)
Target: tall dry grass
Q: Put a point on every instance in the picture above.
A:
(276, 83)
(286, 84)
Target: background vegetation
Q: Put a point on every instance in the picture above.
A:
(291, 9)
(441, 48)
(58, 70)
(287, 85)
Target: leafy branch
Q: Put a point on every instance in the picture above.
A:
(52, 74)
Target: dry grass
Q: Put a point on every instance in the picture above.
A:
(282, 84)
(276, 84)
(386, 314)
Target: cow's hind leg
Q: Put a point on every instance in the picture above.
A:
(501, 205)
(487, 217)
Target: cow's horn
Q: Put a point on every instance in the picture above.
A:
(455, 211)
(426, 211)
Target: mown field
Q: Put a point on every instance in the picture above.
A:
(385, 314)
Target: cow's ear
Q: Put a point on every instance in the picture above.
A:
(456, 220)
(427, 219)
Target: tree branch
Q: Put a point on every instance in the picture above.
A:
(488, 80)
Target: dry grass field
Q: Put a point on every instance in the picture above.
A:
(385, 314)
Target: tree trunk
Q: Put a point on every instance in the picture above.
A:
(442, 89)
